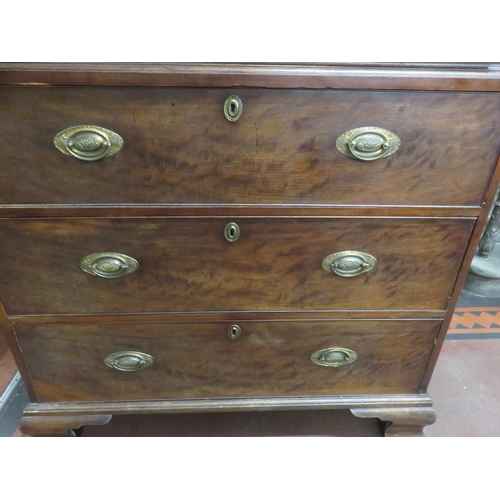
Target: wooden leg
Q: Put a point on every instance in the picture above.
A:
(59, 425)
(400, 422)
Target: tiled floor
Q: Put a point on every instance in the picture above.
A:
(465, 389)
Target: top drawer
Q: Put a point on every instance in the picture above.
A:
(180, 148)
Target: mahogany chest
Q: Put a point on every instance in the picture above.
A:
(209, 237)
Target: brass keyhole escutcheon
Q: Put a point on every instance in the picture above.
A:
(233, 332)
(232, 232)
(233, 108)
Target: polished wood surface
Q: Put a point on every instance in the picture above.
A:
(46, 319)
(179, 147)
(186, 264)
(59, 426)
(229, 404)
(198, 360)
(401, 422)
(135, 210)
(398, 76)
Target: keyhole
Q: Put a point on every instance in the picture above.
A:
(232, 232)
(233, 332)
(233, 107)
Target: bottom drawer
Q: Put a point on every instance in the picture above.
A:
(199, 360)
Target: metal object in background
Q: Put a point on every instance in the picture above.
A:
(484, 272)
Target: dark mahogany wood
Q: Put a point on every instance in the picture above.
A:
(239, 404)
(224, 316)
(60, 425)
(186, 264)
(400, 422)
(464, 77)
(62, 211)
(179, 147)
(198, 360)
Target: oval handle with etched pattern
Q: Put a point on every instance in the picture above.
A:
(88, 142)
(368, 143)
(334, 356)
(349, 264)
(128, 361)
(109, 265)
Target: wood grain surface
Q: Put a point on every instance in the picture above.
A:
(179, 147)
(414, 76)
(197, 360)
(186, 264)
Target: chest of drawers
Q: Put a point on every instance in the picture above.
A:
(190, 238)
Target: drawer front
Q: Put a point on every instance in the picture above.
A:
(180, 148)
(197, 360)
(188, 264)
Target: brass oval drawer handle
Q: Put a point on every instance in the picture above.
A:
(349, 264)
(232, 232)
(233, 108)
(88, 142)
(128, 361)
(368, 143)
(109, 264)
(334, 356)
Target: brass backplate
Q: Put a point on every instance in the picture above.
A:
(128, 361)
(334, 356)
(109, 264)
(368, 143)
(349, 263)
(88, 142)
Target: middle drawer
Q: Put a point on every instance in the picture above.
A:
(188, 264)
